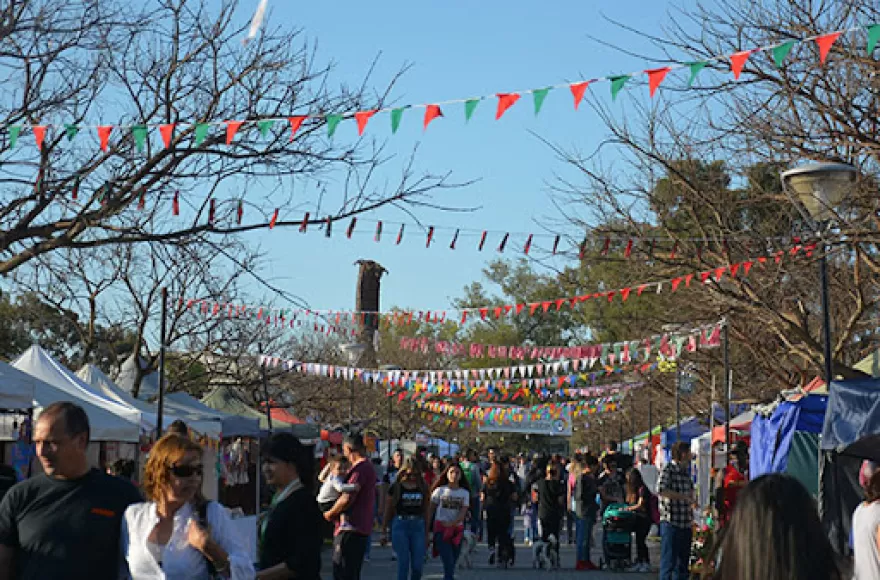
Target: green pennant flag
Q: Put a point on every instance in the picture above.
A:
(14, 132)
(71, 131)
(781, 51)
(873, 37)
(695, 67)
(470, 106)
(540, 95)
(617, 84)
(332, 123)
(139, 132)
(396, 115)
(265, 126)
(201, 133)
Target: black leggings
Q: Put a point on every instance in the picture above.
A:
(641, 527)
(550, 526)
(498, 523)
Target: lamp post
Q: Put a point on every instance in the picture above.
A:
(353, 352)
(821, 187)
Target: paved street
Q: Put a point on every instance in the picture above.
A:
(381, 567)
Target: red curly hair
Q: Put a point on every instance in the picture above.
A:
(167, 451)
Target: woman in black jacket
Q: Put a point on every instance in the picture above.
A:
(290, 545)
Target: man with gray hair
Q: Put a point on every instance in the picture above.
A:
(64, 523)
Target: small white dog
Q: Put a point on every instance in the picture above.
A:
(545, 555)
(468, 547)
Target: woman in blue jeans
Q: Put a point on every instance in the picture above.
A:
(405, 511)
(450, 502)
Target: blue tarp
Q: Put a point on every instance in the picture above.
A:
(771, 436)
(852, 424)
(691, 428)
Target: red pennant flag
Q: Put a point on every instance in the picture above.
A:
(104, 135)
(482, 241)
(454, 240)
(825, 42)
(610, 296)
(676, 282)
(505, 101)
(399, 235)
(747, 266)
(303, 227)
(687, 280)
(674, 251)
(274, 219)
(555, 244)
(519, 308)
(231, 130)
(142, 201)
(362, 117)
(577, 91)
(39, 135)
(704, 276)
(430, 236)
(625, 293)
(606, 247)
(167, 132)
(733, 269)
(175, 203)
(239, 212)
(546, 305)
(75, 192)
(655, 77)
(211, 210)
(629, 248)
(532, 307)
(351, 226)
(431, 113)
(719, 274)
(483, 313)
(528, 245)
(738, 61)
(503, 242)
(464, 315)
(641, 289)
(295, 123)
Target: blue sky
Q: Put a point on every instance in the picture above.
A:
(457, 49)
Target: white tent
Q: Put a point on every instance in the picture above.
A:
(102, 385)
(232, 425)
(128, 372)
(109, 421)
(16, 388)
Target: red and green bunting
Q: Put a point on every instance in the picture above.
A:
(198, 132)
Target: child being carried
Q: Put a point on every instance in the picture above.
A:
(332, 478)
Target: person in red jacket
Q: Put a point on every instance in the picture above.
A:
(730, 481)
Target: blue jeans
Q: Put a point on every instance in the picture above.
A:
(448, 555)
(583, 528)
(408, 542)
(675, 551)
(369, 545)
(476, 516)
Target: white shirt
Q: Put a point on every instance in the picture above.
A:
(866, 520)
(449, 502)
(180, 561)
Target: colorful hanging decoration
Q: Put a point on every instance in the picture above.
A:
(655, 76)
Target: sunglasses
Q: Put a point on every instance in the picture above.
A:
(184, 471)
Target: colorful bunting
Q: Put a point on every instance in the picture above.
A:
(431, 113)
(167, 132)
(231, 130)
(738, 61)
(577, 91)
(39, 135)
(655, 77)
(825, 43)
(362, 117)
(104, 135)
(295, 123)
(505, 101)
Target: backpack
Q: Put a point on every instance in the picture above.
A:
(653, 507)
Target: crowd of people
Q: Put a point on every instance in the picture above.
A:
(74, 521)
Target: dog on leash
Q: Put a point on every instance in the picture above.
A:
(468, 547)
(545, 555)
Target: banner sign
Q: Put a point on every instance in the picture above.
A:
(554, 426)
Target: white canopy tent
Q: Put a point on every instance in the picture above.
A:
(232, 425)
(17, 388)
(109, 421)
(101, 383)
(126, 378)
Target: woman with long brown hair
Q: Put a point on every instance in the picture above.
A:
(450, 501)
(175, 533)
(405, 513)
(638, 498)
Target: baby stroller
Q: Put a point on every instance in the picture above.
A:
(617, 528)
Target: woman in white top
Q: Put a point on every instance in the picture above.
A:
(450, 502)
(866, 533)
(167, 536)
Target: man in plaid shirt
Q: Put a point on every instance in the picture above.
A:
(676, 492)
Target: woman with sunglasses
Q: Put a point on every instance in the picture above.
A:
(405, 512)
(176, 534)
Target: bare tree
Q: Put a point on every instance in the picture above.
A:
(72, 66)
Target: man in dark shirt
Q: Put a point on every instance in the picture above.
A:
(551, 506)
(65, 523)
(350, 542)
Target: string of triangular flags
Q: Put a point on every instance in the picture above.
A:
(501, 391)
(506, 414)
(602, 351)
(322, 320)
(201, 130)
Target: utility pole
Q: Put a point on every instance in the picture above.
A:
(162, 341)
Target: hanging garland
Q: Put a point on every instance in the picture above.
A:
(510, 391)
(200, 131)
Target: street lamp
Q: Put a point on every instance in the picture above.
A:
(821, 187)
(353, 352)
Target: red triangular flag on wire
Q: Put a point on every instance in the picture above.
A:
(175, 204)
(528, 245)
(482, 241)
(625, 293)
(212, 206)
(351, 226)
(431, 113)
(231, 130)
(240, 212)
(274, 219)
(629, 248)
(655, 77)
(104, 135)
(738, 61)
(824, 42)
(39, 135)
(167, 132)
(505, 101)
(295, 123)
(362, 117)
(747, 266)
(675, 284)
(577, 91)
